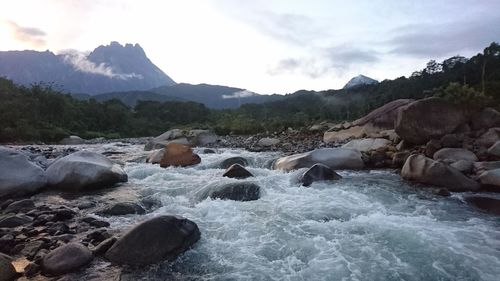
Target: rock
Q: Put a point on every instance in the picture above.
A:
(489, 138)
(104, 246)
(399, 158)
(22, 205)
(318, 172)
(7, 270)
(488, 204)
(451, 140)
(268, 142)
(84, 170)
(237, 191)
(14, 220)
(334, 158)
(491, 178)
(442, 192)
(451, 155)
(487, 118)
(208, 151)
(122, 208)
(66, 258)
(463, 166)
(179, 155)
(237, 171)
(425, 170)
(385, 116)
(364, 145)
(495, 149)
(95, 222)
(428, 118)
(154, 240)
(162, 140)
(201, 137)
(18, 176)
(480, 167)
(355, 132)
(156, 156)
(233, 160)
(72, 140)
(431, 147)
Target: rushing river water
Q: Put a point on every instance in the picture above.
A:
(370, 225)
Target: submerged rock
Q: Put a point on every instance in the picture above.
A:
(154, 240)
(334, 158)
(233, 160)
(66, 258)
(318, 172)
(18, 176)
(488, 204)
(237, 171)
(84, 170)
(425, 170)
(237, 191)
(179, 155)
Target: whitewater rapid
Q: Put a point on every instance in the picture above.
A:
(370, 225)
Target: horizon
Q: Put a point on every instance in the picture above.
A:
(264, 47)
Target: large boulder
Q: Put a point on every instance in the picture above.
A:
(384, 117)
(334, 158)
(72, 140)
(18, 176)
(162, 140)
(237, 191)
(201, 137)
(425, 170)
(451, 155)
(179, 155)
(84, 170)
(487, 118)
(318, 172)
(226, 163)
(488, 204)
(367, 144)
(491, 179)
(495, 149)
(156, 156)
(66, 258)
(237, 171)
(157, 239)
(7, 270)
(429, 118)
(489, 138)
(354, 132)
(268, 142)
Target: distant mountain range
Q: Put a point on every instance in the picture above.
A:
(360, 80)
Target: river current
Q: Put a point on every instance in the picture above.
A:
(370, 225)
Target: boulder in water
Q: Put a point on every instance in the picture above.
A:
(233, 160)
(201, 137)
(157, 239)
(237, 191)
(162, 140)
(19, 176)
(84, 170)
(488, 204)
(72, 140)
(334, 158)
(179, 155)
(318, 172)
(425, 170)
(237, 171)
(66, 258)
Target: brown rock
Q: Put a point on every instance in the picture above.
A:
(385, 116)
(355, 132)
(179, 155)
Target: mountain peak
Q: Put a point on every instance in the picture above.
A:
(360, 80)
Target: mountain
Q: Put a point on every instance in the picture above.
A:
(360, 80)
(106, 69)
(129, 98)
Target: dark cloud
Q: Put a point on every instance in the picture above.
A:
(438, 40)
(30, 35)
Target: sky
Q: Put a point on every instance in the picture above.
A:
(264, 46)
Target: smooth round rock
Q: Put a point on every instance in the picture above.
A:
(66, 258)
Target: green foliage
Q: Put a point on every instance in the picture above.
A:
(462, 95)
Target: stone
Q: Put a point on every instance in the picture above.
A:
(237, 191)
(334, 158)
(122, 208)
(463, 166)
(429, 118)
(318, 172)
(233, 160)
(208, 151)
(480, 167)
(84, 170)
(494, 150)
(268, 142)
(162, 140)
(237, 171)
(431, 147)
(72, 140)
(156, 156)
(425, 170)
(368, 144)
(451, 140)
(179, 155)
(489, 138)
(14, 220)
(491, 178)
(384, 117)
(7, 270)
(66, 259)
(488, 204)
(201, 137)
(354, 132)
(487, 118)
(95, 222)
(18, 176)
(154, 240)
(104, 246)
(451, 155)
(399, 158)
(22, 205)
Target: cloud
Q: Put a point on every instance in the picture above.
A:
(80, 62)
(337, 59)
(239, 94)
(31, 35)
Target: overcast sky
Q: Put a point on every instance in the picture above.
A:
(264, 46)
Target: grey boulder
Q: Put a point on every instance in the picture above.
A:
(334, 158)
(318, 172)
(452, 155)
(66, 258)
(122, 208)
(237, 171)
(237, 191)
